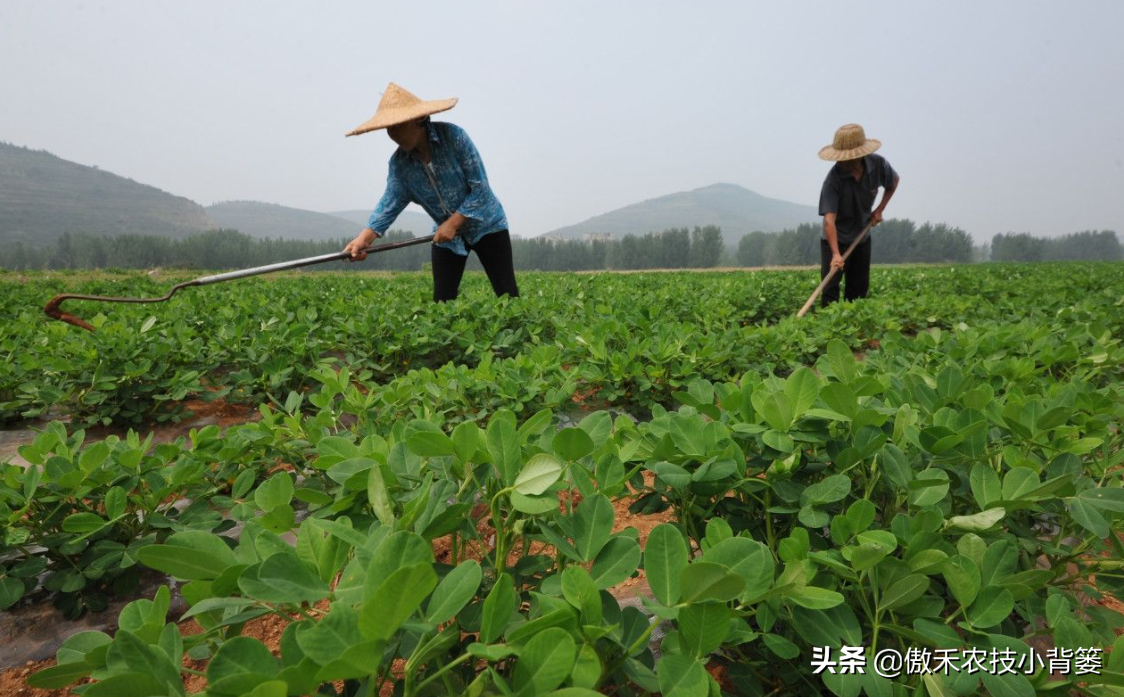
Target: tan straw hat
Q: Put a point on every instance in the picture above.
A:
(399, 106)
(850, 143)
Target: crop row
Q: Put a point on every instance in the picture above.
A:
(958, 489)
(629, 340)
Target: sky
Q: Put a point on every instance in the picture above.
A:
(999, 116)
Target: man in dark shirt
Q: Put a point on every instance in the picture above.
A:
(845, 203)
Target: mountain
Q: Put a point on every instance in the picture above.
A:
(735, 209)
(411, 221)
(258, 219)
(42, 196)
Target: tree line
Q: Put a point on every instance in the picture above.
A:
(1077, 246)
(895, 241)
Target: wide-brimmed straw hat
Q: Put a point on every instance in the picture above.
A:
(399, 106)
(850, 143)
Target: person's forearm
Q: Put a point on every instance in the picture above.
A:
(456, 220)
(888, 194)
(831, 234)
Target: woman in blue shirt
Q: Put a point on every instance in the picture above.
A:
(437, 167)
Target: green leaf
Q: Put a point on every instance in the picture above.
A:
(587, 670)
(77, 646)
(673, 475)
(403, 548)
(904, 591)
(454, 592)
(429, 440)
(781, 646)
(991, 607)
(778, 411)
(331, 637)
(963, 578)
(544, 663)
(985, 485)
(1087, 516)
(503, 445)
(861, 514)
(93, 457)
(191, 556)
(209, 604)
(829, 490)
(580, 592)
(936, 685)
(83, 522)
(616, 562)
(242, 661)
(498, 606)
(599, 426)
(704, 581)
(778, 441)
(814, 597)
(395, 600)
(538, 475)
(681, 676)
(273, 688)
(977, 522)
(1007, 685)
(802, 388)
(130, 684)
(114, 502)
(593, 524)
(275, 491)
(466, 440)
(928, 488)
(534, 505)
(59, 675)
(702, 628)
(747, 558)
(11, 590)
(665, 557)
(572, 443)
(1107, 499)
(840, 399)
(379, 497)
(283, 578)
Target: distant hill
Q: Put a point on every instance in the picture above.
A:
(258, 219)
(735, 209)
(42, 196)
(411, 221)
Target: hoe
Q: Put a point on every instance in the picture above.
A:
(831, 274)
(54, 310)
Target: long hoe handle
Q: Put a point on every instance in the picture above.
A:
(831, 274)
(54, 311)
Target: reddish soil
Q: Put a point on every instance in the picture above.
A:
(586, 398)
(225, 414)
(13, 681)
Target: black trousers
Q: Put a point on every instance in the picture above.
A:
(856, 273)
(494, 252)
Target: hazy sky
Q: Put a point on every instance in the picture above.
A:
(999, 116)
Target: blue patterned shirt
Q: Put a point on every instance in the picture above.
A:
(456, 183)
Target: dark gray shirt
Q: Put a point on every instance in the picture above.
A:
(852, 200)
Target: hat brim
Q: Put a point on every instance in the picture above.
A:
(393, 117)
(830, 154)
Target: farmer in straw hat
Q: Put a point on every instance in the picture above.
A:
(437, 167)
(845, 204)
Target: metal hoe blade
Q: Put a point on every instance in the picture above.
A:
(54, 310)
